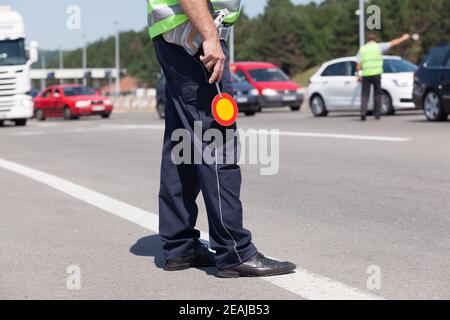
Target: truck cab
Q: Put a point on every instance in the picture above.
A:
(16, 104)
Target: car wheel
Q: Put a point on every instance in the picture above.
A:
(2, 123)
(68, 114)
(387, 109)
(161, 109)
(40, 116)
(318, 107)
(295, 108)
(106, 115)
(250, 113)
(433, 107)
(20, 122)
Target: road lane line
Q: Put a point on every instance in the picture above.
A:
(30, 133)
(342, 136)
(316, 135)
(43, 125)
(302, 283)
(281, 133)
(102, 128)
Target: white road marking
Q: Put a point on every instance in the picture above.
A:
(44, 125)
(132, 127)
(342, 136)
(102, 128)
(302, 283)
(321, 135)
(30, 133)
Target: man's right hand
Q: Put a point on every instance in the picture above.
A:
(213, 58)
(200, 16)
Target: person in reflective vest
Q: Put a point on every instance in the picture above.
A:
(370, 68)
(190, 90)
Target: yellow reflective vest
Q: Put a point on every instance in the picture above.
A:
(165, 15)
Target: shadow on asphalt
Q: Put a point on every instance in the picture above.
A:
(426, 121)
(8, 125)
(151, 246)
(343, 114)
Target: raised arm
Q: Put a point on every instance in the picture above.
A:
(399, 41)
(213, 57)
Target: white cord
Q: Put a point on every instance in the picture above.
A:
(220, 207)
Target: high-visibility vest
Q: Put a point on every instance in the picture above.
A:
(371, 60)
(165, 15)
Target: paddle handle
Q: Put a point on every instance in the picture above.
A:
(218, 89)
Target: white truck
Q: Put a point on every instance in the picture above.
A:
(16, 104)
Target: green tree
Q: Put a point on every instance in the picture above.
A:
(296, 37)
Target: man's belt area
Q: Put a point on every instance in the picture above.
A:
(224, 33)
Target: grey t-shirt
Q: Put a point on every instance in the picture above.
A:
(384, 46)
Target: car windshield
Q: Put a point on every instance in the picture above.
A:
(397, 66)
(12, 52)
(236, 78)
(268, 75)
(79, 91)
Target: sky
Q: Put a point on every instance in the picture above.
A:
(46, 20)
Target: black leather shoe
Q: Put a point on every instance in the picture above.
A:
(258, 266)
(201, 258)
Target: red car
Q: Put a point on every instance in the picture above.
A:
(274, 86)
(71, 102)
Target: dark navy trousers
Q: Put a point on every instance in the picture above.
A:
(189, 97)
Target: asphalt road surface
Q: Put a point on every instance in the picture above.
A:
(361, 208)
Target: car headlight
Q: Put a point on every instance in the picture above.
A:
(254, 92)
(27, 103)
(107, 102)
(301, 91)
(270, 92)
(402, 84)
(82, 104)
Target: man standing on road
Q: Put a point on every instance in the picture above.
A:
(190, 90)
(370, 61)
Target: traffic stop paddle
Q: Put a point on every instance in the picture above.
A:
(224, 108)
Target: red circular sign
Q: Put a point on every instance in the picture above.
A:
(225, 110)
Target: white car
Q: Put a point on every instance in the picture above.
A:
(335, 86)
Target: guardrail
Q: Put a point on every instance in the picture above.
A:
(133, 104)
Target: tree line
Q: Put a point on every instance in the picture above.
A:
(296, 37)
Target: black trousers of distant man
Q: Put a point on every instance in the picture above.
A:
(367, 83)
(189, 97)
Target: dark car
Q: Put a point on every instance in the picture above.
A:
(432, 84)
(244, 93)
(246, 96)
